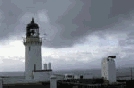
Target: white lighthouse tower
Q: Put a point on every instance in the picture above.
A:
(32, 42)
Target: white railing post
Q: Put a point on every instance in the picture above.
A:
(53, 82)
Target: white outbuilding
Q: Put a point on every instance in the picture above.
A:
(108, 69)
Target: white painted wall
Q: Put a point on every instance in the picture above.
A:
(111, 71)
(14, 80)
(18, 80)
(53, 82)
(32, 56)
(108, 70)
(42, 76)
(104, 70)
(59, 76)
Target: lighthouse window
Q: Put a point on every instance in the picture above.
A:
(29, 48)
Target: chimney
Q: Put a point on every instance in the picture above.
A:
(49, 66)
(45, 66)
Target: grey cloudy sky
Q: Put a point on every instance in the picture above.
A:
(91, 29)
(66, 22)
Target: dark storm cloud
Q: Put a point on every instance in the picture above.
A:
(85, 17)
(10, 15)
(121, 7)
(11, 12)
(75, 19)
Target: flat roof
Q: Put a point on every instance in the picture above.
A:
(42, 70)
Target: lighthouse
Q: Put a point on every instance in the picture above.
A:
(33, 43)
